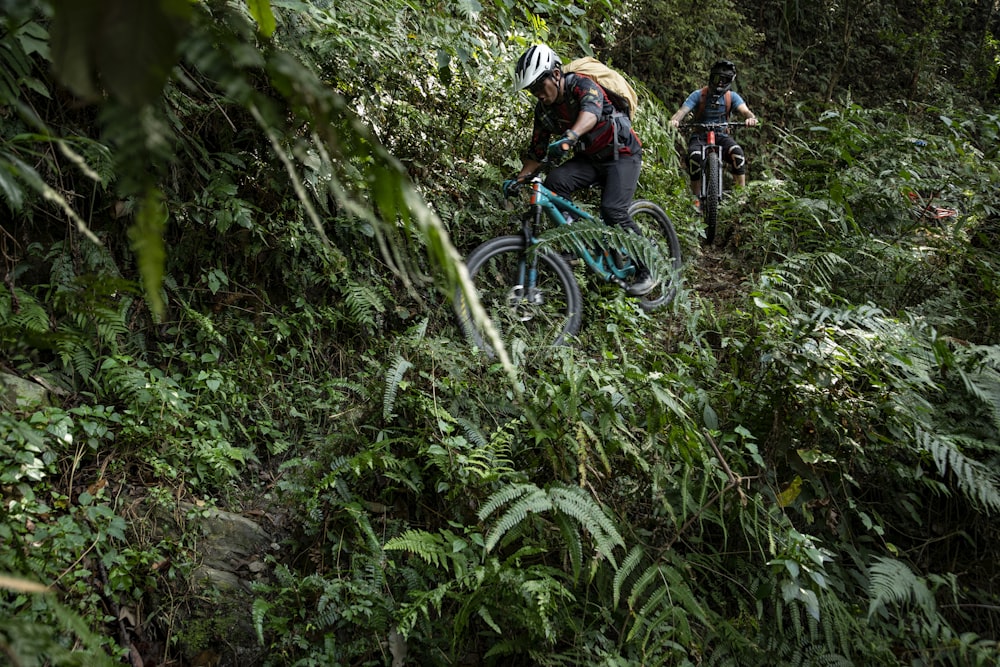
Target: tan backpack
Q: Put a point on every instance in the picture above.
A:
(619, 90)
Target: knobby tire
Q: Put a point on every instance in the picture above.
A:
(525, 328)
(655, 225)
(710, 205)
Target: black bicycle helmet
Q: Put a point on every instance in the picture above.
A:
(721, 76)
(536, 63)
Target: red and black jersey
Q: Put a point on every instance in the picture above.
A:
(582, 94)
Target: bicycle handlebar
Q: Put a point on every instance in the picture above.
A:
(528, 178)
(713, 126)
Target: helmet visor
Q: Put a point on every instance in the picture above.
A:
(722, 79)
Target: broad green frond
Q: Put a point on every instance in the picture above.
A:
(524, 499)
(891, 581)
(504, 496)
(978, 482)
(363, 303)
(575, 502)
(434, 549)
(536, 501)
(571, 542)
(30, 316)
(395, 376)
(625, 570)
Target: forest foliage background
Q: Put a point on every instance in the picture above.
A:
(230, 233)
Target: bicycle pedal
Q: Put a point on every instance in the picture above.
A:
(642, 287)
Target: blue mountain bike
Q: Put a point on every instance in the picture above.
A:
(528, 287)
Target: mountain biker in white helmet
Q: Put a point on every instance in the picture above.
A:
(712, 104)
(601, 145)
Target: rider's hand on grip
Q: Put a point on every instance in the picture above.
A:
(561, 147)
(511, 186)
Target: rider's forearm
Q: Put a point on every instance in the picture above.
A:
(745, 111)
(528, 168)
(679, 115)
(585, 122)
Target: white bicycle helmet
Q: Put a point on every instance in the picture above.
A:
(536, 62)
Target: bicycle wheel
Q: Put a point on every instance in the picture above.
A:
(710, 205)
(527, 322)
(655, 225)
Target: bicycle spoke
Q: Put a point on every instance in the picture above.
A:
(655, 225)
(530, 315)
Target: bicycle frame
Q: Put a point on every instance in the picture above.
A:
(925, 208)
(532, 292)
(546, 202)
(711, 147)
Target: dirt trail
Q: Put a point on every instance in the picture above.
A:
(718, 274)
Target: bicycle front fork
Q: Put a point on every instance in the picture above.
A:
(525, 294)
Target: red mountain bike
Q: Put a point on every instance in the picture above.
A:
(712, 165)
(924, 209)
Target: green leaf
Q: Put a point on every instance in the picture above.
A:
(710, 417)
(261, 12)
(34, 39)
(125, 47)
(147, 243)
(815, 456)
(74, 29)
(9, 186)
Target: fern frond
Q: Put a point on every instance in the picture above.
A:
(473, 462)
(984, 384)
(472, 433)
(654, 604)
(428, 546)
(31, 315)
(989, 355)
(577, 503)
(421, 605)
(363, 303)
(487, 617)
(514, 646)
(585, 234)
(548, 594)
(664, 622)
(328, 610)
(258, 611)
(648, 576)
(979, 483)
(572, 543)
(396, 372)
(524, 499)
(124, 378)
(76, 352)
(893, 582)
(821, 268)
(504, 496)
(109, 323)
(536, 501)
(417, 332)
(364, 527)
(625, 570)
